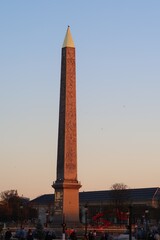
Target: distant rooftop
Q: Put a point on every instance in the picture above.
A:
(138, 194)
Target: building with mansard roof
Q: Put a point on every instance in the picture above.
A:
(97, 200)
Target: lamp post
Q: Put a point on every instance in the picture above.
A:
(63, 227)
(21, 215)
(86, 218)
(130, 222)
(147, 222)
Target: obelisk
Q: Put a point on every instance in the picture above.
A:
(66, 204)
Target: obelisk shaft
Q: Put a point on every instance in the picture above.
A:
(67, 138)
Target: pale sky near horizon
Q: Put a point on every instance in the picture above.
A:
(118, 101)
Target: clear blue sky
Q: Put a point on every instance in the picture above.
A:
(118, 84)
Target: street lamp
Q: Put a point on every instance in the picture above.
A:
(21, 215)
(130, 222)
(86, 218)
(63, 227)
(147, 221)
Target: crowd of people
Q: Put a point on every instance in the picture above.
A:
(20, 234)
(152, 233)
(23, 234)
(71, 234)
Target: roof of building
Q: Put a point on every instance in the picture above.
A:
(138, 194)
(43, 199)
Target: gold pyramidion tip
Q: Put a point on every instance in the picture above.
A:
(68, 41)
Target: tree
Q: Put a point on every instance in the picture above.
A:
(120, 200)
(7, 195)
(14, 207)
(119, 193)
(119, 186)
(9, 204)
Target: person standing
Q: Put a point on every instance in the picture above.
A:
(29, 235)
(8, 234)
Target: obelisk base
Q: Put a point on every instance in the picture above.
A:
(66, 203)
